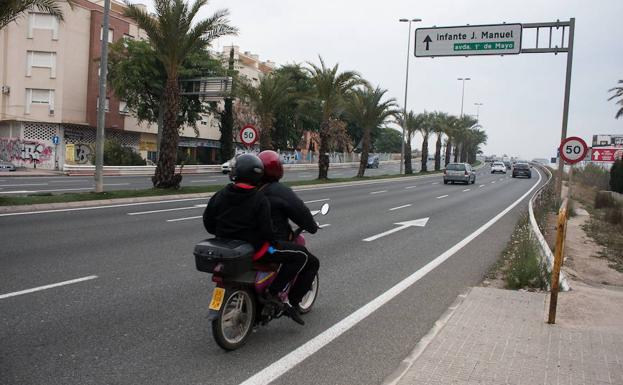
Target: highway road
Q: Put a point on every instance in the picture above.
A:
(22, 185)
(130, 308)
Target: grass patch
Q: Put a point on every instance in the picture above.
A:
(605, 226)
(43, 198)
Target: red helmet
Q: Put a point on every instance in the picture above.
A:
(273, 169)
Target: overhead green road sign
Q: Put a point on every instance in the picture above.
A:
(497, 39)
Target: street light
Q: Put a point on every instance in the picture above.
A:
(404, 119)
(463, 93)
(478, 110)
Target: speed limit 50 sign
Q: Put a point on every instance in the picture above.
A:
(248, 135)
(573, 150)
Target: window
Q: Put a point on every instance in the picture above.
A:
(123, 107)
(42, 21)
(110, 33)
(106, 104)
(39, 96)
(41, 60)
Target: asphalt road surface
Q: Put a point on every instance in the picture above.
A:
(130, 307)
(22, 185)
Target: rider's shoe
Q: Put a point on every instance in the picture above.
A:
(272, 298)
(293, 313)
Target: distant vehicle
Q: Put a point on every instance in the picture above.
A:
(522, 169)
(6, 166)
(498, 167)
(459, 172)
(227, 166)
(373, 161)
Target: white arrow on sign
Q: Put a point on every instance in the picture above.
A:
(401, 226)
(595, 154)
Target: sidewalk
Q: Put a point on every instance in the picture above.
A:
(22, 171)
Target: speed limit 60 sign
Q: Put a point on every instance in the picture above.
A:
(573, 150)
(248, 135)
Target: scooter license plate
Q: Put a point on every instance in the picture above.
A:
(217, 298)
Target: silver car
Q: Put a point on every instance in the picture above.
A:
(6, 166)
(459, 172)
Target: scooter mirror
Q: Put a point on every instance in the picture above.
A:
(324, 209)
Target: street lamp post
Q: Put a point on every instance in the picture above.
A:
(463, 93)
(404, 119)
(478, 110)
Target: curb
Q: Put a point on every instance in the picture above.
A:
(408, 362)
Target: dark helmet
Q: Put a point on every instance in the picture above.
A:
(273, 169)
(247, 168)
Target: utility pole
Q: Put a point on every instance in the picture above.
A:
(101, 105)
(463, 93)
(565, 111)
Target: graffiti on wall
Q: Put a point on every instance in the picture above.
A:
(83, 153)
(22, 151)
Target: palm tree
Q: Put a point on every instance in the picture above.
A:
(173, 36)
(273, 93)
(461, 135)
(427, 122)
(12, 9)
(369, 112)
(441, 124)
(330, 88)
(415, 123)
(618, 93)
(450, 128)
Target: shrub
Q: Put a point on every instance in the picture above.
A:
(592, 175)
(525, 267)
(616, 176)
(603, 199)
(117, 155)
(614, 215)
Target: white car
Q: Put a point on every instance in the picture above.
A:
(498, 167)
(226, 167)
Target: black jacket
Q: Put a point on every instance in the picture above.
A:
(238, 213)
(286, 205)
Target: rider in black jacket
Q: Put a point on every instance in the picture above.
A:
(285, 205)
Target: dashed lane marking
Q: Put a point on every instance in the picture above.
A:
(378, 192)
(442, 196)
(399, 207)
(318, 200)
(184, 219)
(163, 210)
(467, 189)
(13, 294)
(409, 187)
(482, 185)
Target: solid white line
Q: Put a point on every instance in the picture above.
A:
(40, 191)
(71, 181)
(183, 219)
(482, 185)
(162, 211)
(100, 207)
(47, 286)
(278, 368)
(442, 196)
(24, 184)
(203, 180)
(116, 184)
(324, 225)
(400, 207)
(202, 205)
(467, 189)
(378, 192)
(318, 200)
(408, 187)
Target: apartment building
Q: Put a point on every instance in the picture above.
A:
(49, 75)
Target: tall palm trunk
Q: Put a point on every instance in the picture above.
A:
(438, 153)
(457, 151)
(448, 151)
(365, 149)
(424, 154)
(165, 171)
(266, 141)
(408, 165)
(323, 155)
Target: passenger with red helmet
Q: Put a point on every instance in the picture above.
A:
(240, 211)
(286, 206)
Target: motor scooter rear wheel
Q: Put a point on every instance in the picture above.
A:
(308, 300)
(234, 323)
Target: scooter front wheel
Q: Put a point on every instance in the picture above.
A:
(235, 320)
(310, 297)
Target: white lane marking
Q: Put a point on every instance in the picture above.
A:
(378, 192)
(47, 286)
(399, 207)
(71, 181)
(317, 200)
(324, 225)
(203, 180)
(482, 185)
(116, 184)
(492, 181)
(163, 210)
(501, 178)
(442, 196)
(101, 207)
(183, 219)
(401, 226)
(287, 362)
(202, 205)
(409, 187)
(24, 184)
(435, 183)
(40, 191)
(467, 189)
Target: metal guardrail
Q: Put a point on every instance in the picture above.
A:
(546, 252)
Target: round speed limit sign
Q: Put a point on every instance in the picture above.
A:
(248, 135)
(573, 150)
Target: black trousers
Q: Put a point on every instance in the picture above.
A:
(296, 261)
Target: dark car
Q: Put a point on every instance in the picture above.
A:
(373, 161)
(522, 169)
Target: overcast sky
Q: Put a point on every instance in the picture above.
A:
(522, 95)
